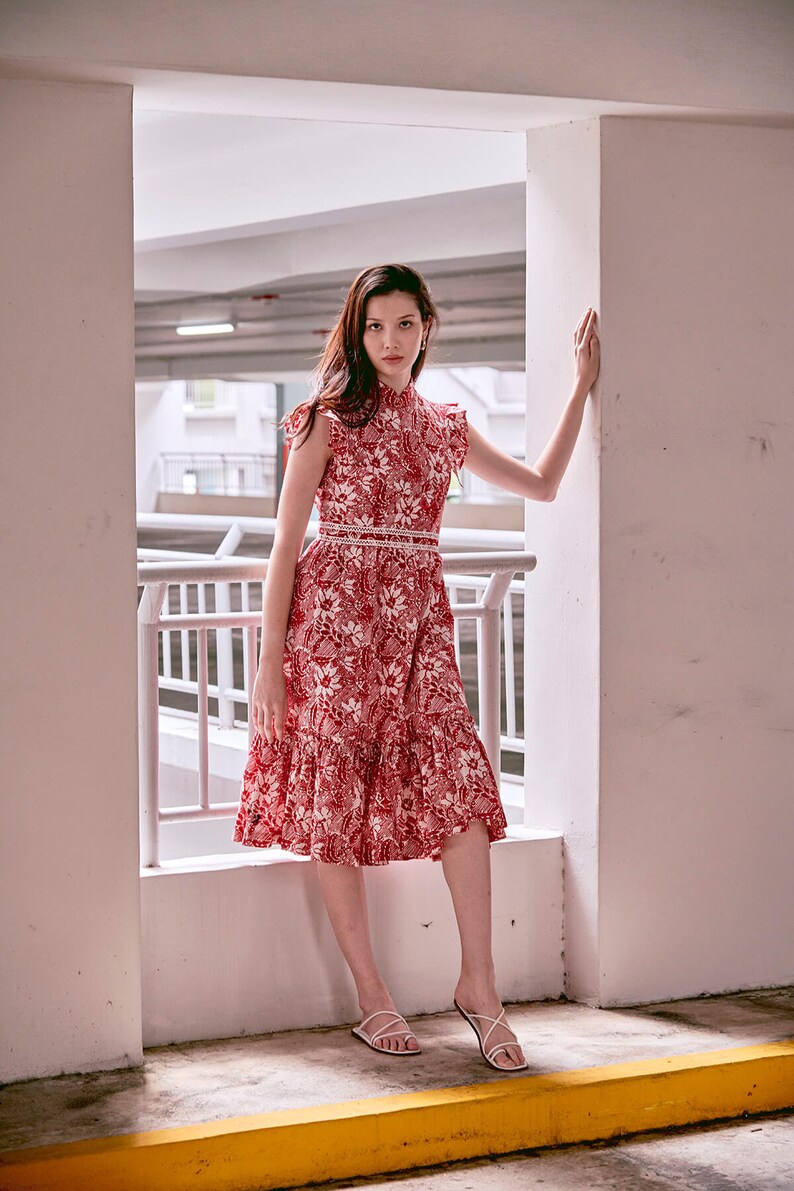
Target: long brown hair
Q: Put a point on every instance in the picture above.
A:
(344, 380)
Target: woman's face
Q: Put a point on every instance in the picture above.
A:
(392, 337)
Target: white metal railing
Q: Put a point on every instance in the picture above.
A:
(218, 473)
(474, 488)
(488, 575)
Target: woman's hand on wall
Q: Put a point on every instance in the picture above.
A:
(587, 350)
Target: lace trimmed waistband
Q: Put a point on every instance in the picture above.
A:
(378, 535)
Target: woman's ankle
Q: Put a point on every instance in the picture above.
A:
(374, 996)
(479, 989)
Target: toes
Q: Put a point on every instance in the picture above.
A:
(508, 1059)
(409, 1043)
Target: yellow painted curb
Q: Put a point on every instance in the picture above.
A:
(293, 1147)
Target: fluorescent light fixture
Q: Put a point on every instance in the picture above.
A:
(207, 329)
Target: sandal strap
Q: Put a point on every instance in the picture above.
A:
(496, 1021)
(489, 1054)
(384, 1032)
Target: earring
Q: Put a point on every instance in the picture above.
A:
(424, 344)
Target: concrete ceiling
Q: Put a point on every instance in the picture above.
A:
(252, 186)
(264, 222)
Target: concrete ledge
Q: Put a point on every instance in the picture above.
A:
(396, 1133)
(205, 934)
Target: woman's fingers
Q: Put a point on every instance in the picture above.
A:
(585, 329)
(583, 325)
(579, 326)
(269, 724)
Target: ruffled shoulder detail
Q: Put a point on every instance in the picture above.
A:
(337, 431)
(458, 434)
(295, 421)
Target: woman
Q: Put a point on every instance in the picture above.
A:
(364, 750)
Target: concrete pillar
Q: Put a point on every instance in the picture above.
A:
(659, 619)
(69, 883)
(561, 647)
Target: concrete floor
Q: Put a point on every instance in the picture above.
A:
(755, 1155)
(201, 1081)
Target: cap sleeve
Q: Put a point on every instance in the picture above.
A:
(458, 430)
(337, 431)
(295, 420)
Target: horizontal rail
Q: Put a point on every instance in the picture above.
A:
(250, 570)
(493, 539)
(212, 620)
(192, 814)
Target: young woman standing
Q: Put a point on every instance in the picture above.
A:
(364, 750)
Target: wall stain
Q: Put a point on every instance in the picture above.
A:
(764, 444)
(681, 711)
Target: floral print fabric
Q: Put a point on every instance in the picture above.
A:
(380, 758)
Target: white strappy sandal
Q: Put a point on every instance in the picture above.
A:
(483, 1042)
(385, 1032)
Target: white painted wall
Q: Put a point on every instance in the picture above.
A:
(697, 556)
(562, 613)
(659, 673)
(158, 420)
(250, 949)
(69, 885)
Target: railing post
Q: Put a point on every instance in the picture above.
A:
(224, 644)
(489, 670)
(149, 722)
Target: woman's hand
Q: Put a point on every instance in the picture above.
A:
(269, 701)
(587, 349)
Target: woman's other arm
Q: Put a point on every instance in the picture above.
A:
(542, 481)
(305, 466)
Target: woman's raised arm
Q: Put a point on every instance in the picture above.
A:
(542, 481)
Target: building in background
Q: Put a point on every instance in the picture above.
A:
(210, 446)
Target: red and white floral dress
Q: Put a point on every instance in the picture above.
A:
(380, 758)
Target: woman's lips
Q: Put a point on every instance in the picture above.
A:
(391, 359)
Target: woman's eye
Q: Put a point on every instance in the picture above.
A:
(406, 322)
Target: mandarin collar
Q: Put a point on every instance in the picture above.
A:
(395, 398)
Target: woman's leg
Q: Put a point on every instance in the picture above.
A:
(466, 860)
(345, 899)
